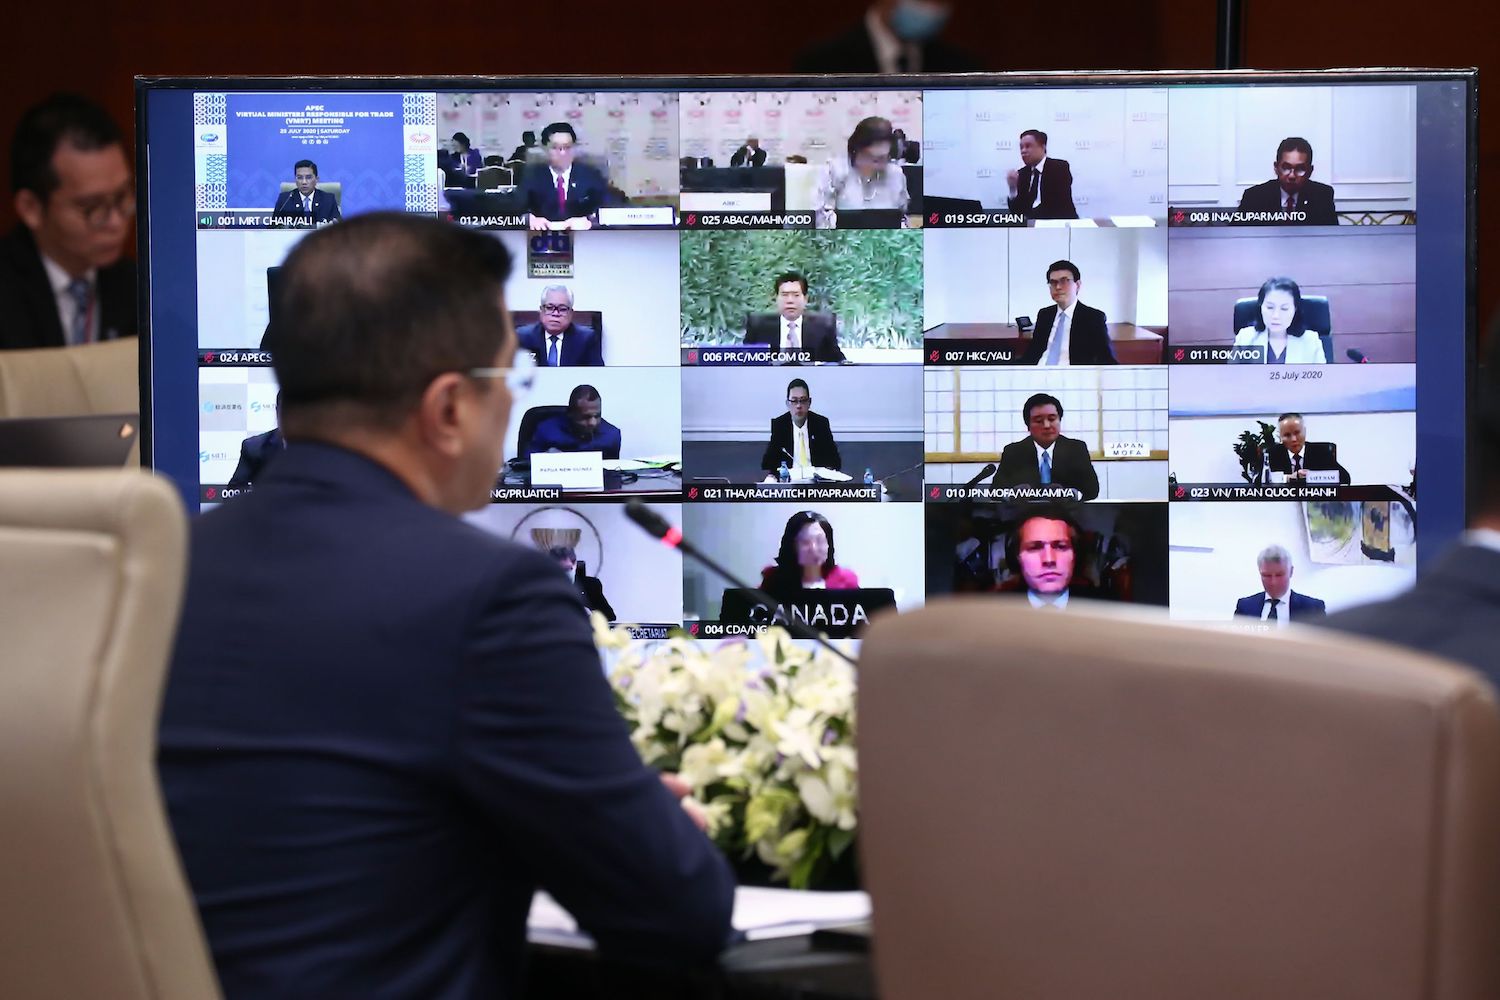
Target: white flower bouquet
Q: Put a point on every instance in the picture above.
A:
(761, 730)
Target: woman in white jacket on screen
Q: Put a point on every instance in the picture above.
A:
(1279, 329)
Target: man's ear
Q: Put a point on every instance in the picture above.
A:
(30, 208)
(440, 414)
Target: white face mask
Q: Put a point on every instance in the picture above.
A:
(919, 20)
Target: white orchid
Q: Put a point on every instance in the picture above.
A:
(762, 732)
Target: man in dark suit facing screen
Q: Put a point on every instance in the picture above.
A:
(1046, 457)
(1043, 188)
(367, 795)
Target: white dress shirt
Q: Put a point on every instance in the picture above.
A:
(1485, 538)
(67, 308)
(1283, 610)
(547, 346)
(1037, 601)
(1067, 338)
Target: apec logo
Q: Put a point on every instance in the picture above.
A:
(421, 138)
(209, 137)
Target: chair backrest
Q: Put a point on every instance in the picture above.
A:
(771, 317)
(533, 416)
(494, 160)
(1315, 316)
(1102, 804)
(93, 901)
(335, 188)
(71, 381)
(489, 178)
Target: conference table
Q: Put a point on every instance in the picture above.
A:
(1133, 344)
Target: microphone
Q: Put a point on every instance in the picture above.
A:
(988, 470)
(891, 489)
(657, 527)
(1357, 356)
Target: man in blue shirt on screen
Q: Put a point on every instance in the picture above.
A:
(581, 428)
(384, 727)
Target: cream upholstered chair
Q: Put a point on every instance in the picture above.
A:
(1101, 804)
(93, 901)
(71, 381)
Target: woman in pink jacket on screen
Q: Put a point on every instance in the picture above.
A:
(805, 560)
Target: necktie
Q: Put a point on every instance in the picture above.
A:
(1272, 616)
(792, 343)
(1296, 463)
(82, 294)
(1055, 342)
(801, 447)
(552, 351)
(1046, 468)
(306, 205)
(1032, 188)
(1291, 203)
(562, 197)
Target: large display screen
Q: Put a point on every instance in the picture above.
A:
(1158, 339)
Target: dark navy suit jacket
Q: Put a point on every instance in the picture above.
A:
(557, 432)
(382, 729)
(325, 207)
(1453, 611)
(1303, 607)
(586, 190)
(581, 346)
(28, 309)
(255, 452)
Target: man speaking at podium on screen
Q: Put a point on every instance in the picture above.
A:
(566, 194)
(304, 200)
(800, 437)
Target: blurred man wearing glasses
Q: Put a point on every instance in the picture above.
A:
(566, 194)
(63, 280)
(1068, 332)
(1293, 190)
(379, 779)
(555, 340)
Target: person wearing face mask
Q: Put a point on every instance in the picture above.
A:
(1279, 329)
(896, 36)
(805, 560)
(865, 178)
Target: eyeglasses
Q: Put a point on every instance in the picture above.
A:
(1062, 282)
(519, 377)
(1300, 171)
(556, 310)
(96, 211)
(799, 400)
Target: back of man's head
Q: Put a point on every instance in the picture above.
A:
(370, 311)
(61, 118)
